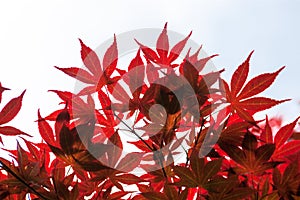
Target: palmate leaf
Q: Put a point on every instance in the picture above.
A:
(28, 174)
(201, 173)
(250, 158)
(258, 84)
(90, 59)
(228, 188)
(8, 113)
(134, 79)
(88, 149)
(74, 146)
(239, 77)
(240, 94)
(198, 64)
(79, 149)
(97, 76)
(288, 183)
(164, 55)
(187, 177)
(285, 147)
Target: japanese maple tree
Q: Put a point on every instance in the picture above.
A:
(89, 150)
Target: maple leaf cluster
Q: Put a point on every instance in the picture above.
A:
(85, 152)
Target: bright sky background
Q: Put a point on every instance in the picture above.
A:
(37, 35)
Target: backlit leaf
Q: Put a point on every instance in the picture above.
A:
(129, 162)
(187, 178)
(11, 109)
(258, 84)
(259, 103)
(45, 130)
(79, 74)
(9, 130)
(267, 134)
(284, 133)
(239, 77)
(264, 153)
(90, 59)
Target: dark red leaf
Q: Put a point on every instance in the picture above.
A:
(52, 116)
(32, 149)
(211, 169)
(116, 151)
(267, 135)
(285, 133)
(128, 179)
(154, 196)
(64, 95)
(22, 158)
(11, 109)
(276, 177)
(289, 148)
(68, 140)
(239, 77)
(45, 130)
(187, 178)
(259, 103)
(239, 193)
(264, 153)
(289, 173)
(225, 90)
(197, 165)
(249, 142)
(190, 73)
(236, 127)
(184, 194)
(171, 191)
(117, 195)
(258, 84)
(234, 153)
(12, 131)
(244, 114)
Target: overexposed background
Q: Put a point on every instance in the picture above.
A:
(37, 35)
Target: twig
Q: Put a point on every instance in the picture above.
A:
(6, 168)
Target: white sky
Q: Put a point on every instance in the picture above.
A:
(37, 35)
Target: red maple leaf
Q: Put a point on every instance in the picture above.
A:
(240, 94)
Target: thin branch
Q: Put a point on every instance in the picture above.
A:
(6, 168)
